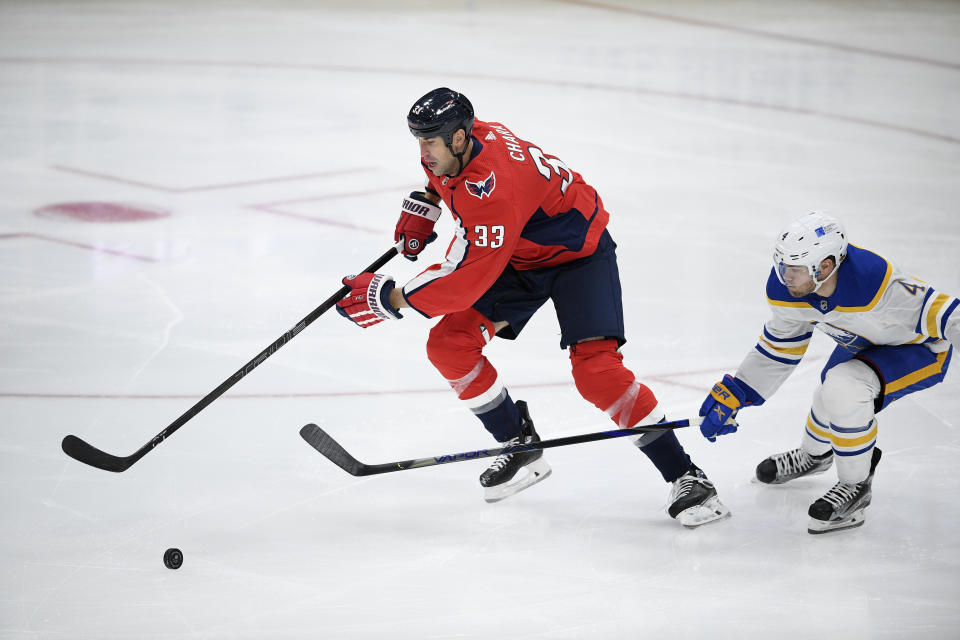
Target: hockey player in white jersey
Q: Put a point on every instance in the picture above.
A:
(894, 337)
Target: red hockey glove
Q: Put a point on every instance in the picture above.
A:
(369, 301)
(415, 226)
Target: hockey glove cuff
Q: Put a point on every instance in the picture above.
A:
(368, 302)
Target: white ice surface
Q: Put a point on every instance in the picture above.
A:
(274, 135)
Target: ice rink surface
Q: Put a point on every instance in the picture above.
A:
(183, 181)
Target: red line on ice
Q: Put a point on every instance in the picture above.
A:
(211, 187)
(663, 378)
(89, 247)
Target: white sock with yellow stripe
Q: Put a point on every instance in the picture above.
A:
(843, 414)
(816, 435)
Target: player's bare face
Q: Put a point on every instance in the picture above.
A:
(798, 280)
(435, 153)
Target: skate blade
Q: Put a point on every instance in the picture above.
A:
(710, 511)
(856, 519)
(536, 471)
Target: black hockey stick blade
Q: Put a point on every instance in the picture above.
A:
(89, 454)
(330, 448)
(322, 442)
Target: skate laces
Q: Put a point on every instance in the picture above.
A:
(792, 462)
(685, 483)
(841, 493)
(504, 458)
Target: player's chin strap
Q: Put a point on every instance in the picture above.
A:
(820, 283)
(459, 156)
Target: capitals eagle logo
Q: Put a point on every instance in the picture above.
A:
(483, 188)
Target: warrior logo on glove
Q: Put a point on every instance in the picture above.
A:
(368, 302)
(418, 215)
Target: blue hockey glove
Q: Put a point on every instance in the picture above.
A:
(720, 408)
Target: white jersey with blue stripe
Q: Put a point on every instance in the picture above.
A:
(874, 304)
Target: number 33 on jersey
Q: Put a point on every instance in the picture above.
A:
(492, 238)
(513, 205)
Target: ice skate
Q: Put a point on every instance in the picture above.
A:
(796, 463)
(499, 480)
(842, 507)
(694, 501)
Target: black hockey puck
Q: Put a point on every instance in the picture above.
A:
(173, 558)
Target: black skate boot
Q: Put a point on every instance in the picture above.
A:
(694, 501)
(842, 507)
(781, 467)
(498, 480)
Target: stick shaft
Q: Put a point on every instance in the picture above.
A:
(83, 452)
(322, 442)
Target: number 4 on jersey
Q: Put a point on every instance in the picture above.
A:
(912, 288)
(545, 164)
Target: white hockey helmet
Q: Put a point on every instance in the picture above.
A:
(808, 241)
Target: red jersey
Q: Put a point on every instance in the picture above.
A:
(511, 204)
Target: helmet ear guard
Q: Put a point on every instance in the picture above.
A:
(807, 242)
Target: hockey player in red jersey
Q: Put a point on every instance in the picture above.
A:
(527, 229)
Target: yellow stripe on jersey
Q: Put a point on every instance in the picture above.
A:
(876, 298)
(784, 303)
(920, 338)
(793, 351)
(918, 375)
(932, 314)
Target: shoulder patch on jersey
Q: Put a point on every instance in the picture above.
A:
(862, 279)
(482, 188)
(491, 136)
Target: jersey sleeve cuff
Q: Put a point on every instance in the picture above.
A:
(753, 399)
(413, 306)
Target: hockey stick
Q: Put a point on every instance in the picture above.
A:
(322, 442)
(88, 454)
